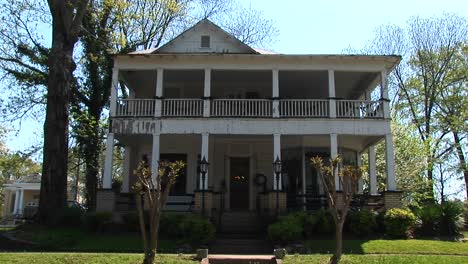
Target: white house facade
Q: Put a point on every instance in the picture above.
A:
(206, 95)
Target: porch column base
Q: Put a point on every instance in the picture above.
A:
(198, 199)
(268, 202)
(105, 200)
(392, 199)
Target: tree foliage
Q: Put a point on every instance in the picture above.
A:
(430, 83)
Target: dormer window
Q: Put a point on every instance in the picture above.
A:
(205, 42)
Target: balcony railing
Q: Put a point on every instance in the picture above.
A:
(135, 107)
(303, 108)
(359, 109)
(182, 107)
(241, 108)
(264, 108)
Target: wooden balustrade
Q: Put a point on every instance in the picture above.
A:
(288, 108)
(241, 108)
(359, 109)
(304, 108)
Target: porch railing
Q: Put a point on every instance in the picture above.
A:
(135, 107)
(303, 108)
(241, 108)
(359, 109)
(182, 107)
(288, 108)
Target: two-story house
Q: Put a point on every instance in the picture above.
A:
(206, 95)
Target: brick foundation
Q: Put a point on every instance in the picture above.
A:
(392, 199)
(105, 200)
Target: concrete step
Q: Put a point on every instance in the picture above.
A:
(233, 259)
(240, 246)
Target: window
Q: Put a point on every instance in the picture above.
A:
(205, 42)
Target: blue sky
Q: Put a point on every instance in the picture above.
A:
(308, 26)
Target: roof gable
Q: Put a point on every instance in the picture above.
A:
(190, 41)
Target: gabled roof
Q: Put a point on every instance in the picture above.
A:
(188, 41)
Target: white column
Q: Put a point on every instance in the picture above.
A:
(207, 93)
(17, 197)
(361, 181)
(333, 154)
(113, 95)
(159, 92)
(126, 170)
(390, 163)
(331, 93)
(372, 171)
(107, 177)
(304, 187)
(277, 154)
(275, 92)
(155, 159)
(384, 93)
(204, 153)
(21, 201)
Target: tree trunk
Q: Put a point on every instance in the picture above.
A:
(53, 194)
(461, 158)
(335, 259)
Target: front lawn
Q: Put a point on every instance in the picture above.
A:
(89, 258)
(383, 246)
(77, 240)
(118, 258)
(378, 259)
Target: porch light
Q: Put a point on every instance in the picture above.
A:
(203, 170)
(277, 170)
(204, 166)
(277, 166)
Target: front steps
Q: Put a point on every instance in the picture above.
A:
(233, 259)
(240, 232)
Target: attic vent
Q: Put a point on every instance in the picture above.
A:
(205, 42)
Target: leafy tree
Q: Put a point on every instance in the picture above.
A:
(154, 193)
(430, 68)
(67, 16)
(339, 204)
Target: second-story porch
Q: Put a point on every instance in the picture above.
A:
(250, 93)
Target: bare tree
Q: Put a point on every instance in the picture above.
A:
(338, 203)
(153, 190)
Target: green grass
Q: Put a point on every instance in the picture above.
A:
(93, 258)
(381, 246)
(70, 239)
(378, 259)
(89, 258)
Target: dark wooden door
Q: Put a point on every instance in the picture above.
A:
(239, 183)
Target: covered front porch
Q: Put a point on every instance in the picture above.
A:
(240, 175)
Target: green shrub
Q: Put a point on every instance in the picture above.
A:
(96, 220)
(287, 229)
(362, 222)
(169, 224)
(428, 220)
(70, 217)
(131, 221)
(398, 222)
(195, 229)
(451, 218)
(324, 223)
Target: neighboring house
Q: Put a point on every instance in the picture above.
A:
(21, 194)
(207, 95)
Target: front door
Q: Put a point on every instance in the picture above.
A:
(239, 183)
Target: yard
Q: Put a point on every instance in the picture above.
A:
(76, 246)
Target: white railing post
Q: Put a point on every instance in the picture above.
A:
(113, 95)
(155, 153)
(333, 154)
(207, 93)
(275, 92)
(331, 93)
(372, 171)
(390, 163)
(159, 92)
